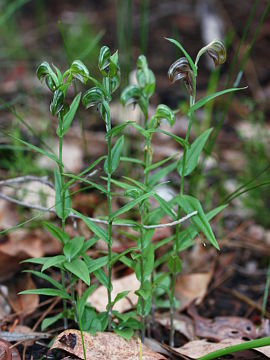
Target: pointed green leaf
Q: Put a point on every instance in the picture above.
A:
(115, 158)
(49, 292)
(101, 233)
(37, 149)
(50, 321)
(56, 232)
(58, 198)
(191, 63)
(178, 139)
(208, 98)
(190, 204)
(120, 296)
(95, 264)
(69, 116)
(79, 269)
(131, 204)
(160, 174)
(193, 153)
(46, 278)
(83, 300)
(53, 261)
(73, 247)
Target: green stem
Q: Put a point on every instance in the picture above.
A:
(109, 197)
(145, 211)
(235, 348)
(80, 326)
(176, 242)
(61, 171)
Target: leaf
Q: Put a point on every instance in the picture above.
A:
(131, 204)
(37, 149)
(101, 188)
(193, 153)
(79, 71)
(149, 258)
(104, 345)
(69, 116)
(82, 301)
(191, 63)
(160, 174)
(116, 130)
(101, 233)
(102, 277)
(190, 204)
(174, 264)
(158, 164)
(127, 283)
(165, 206)
(56, 232)
(115, 156)
(208, 98)
(95, 264)
(178, 139)
(53, 261)
(120, 296)
(79, 269)
(73, 247)
(145, 77)
(58, 198)
(46, 278)
(57, 102)
(191, 232)
(51, 320)
(48, 292)
(126, 333)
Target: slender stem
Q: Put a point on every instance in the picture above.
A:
(61, 171)
(110, 220)
(176, 242)
(142, 280)
(80, 327)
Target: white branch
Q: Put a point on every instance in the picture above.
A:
(27, 178)
(74, 216)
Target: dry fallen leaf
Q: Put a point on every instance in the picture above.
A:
(182, 323)
(190, 287)
(99, 298)
(23, 304)
(198, 348)
(21, 245)
(8, 215)
(103, 346)
(222, 327)
(6, 353)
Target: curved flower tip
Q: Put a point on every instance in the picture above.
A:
(217, 51)
(180, 70)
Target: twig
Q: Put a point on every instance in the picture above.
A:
(41, 208)
(173, 223)
(22, 179)
(245, 299)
